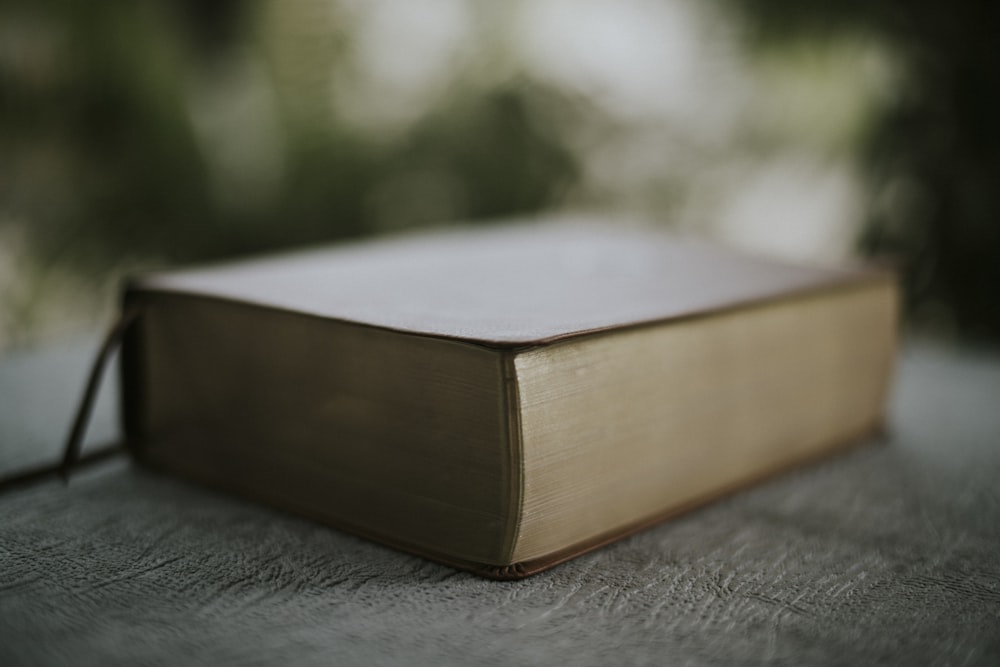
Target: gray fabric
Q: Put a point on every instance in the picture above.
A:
(889, 553)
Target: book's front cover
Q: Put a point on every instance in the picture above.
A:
(507, 285)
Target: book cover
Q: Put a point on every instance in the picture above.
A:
(506, 398)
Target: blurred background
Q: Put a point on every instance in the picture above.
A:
(139, 135)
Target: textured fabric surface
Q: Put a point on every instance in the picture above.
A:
(889, 553)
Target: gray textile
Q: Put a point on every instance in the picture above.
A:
(888, 553)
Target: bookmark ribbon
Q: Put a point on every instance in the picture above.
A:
(74, 442)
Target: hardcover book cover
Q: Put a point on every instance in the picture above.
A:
(506, 398)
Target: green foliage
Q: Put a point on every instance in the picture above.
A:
(104, 161)
(933, 156)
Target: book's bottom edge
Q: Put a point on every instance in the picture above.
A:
(527, 568)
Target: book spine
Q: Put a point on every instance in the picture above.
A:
(131, 375)
(511, 406)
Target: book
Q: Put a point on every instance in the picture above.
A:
(503, 399)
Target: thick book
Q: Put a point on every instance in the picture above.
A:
(502, 399)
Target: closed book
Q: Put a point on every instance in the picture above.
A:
(502, 399)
